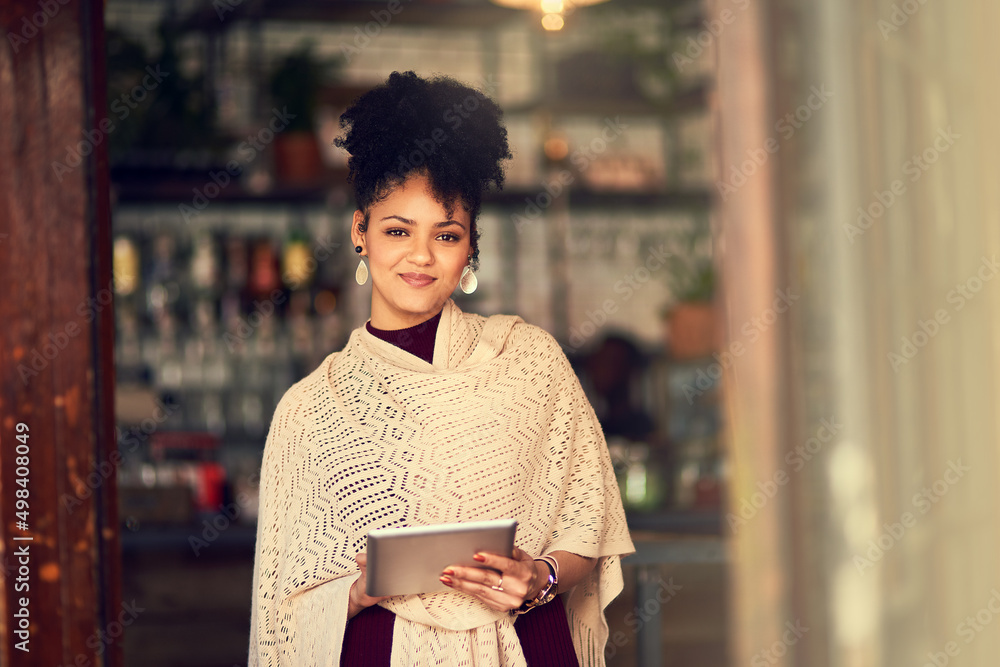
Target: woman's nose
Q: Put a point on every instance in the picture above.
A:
(420, 250)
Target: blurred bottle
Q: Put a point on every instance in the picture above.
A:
(204, 265)
(298, 267)
(639, 480)
(264, 277)
(126, 263)
(163, 285)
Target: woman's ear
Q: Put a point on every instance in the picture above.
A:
(357, 236)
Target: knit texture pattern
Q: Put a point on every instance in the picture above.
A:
(496, 427)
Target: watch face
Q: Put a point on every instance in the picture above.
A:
(549, 592)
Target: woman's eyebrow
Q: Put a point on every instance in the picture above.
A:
(446, 223)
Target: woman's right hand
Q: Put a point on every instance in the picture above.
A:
(358, 598)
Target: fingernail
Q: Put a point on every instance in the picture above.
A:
(479, 557)
(446, 581)
(448, 571)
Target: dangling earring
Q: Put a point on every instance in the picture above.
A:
(468, 282)
(361, 275)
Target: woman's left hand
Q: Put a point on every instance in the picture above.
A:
(519, 578)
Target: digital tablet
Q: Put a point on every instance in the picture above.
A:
(403, 561)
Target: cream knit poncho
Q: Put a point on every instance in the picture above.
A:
(497, 427)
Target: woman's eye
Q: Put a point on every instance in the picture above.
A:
(447, 236)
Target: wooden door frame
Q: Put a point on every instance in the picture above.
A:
(57, 340)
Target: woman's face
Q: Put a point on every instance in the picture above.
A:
(415, 252)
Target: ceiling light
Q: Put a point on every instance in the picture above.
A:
(552, 22)
(541, 4)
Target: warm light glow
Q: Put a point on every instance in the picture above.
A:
(552, 9)
(556, 148)
(552, 22)
(541, 4)
(325, 302)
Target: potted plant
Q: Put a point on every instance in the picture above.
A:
(157, 117)
(691, 319)
(295, 84)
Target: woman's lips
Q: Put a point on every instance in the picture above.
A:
(417, 279)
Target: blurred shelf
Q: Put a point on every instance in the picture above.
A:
(671, 549)
(178, 186)
(477, 14)
(692, 97)
(232, 539)
(703, 522)
(180, 191)
(165, 192)
(585, 197)
(465, 14)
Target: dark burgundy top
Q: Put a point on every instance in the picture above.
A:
(418, 340)
(544, 631)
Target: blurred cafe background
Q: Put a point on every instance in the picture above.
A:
(764, 232)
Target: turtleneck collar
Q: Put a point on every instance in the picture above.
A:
(418, 340)
(462, 341)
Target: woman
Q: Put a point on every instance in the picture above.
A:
(431, 415)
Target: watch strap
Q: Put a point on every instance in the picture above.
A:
(548, 592)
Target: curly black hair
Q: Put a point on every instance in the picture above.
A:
(437, 126)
